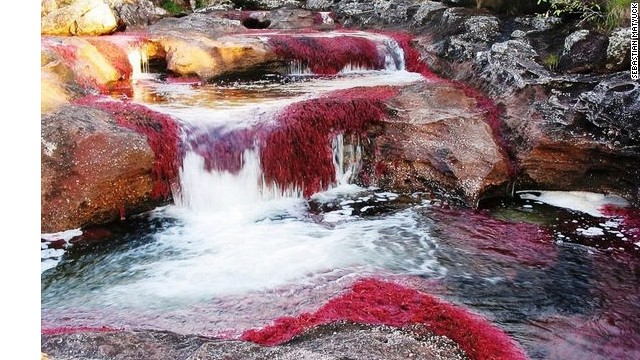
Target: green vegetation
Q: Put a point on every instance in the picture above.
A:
(603, 14)
(171, 7)
(551, 61)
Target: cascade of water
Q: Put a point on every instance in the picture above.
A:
(139, 63)
(346, 159)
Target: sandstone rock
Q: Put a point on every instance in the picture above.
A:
(93, 171)
(192, 54)
(52, 91)
(92, 64)
(81, 17)
(439, 140)
(47, 6)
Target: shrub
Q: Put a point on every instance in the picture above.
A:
(603, 14)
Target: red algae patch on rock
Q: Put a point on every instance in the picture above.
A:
(328, 55)
(162, 132)
(297, 154)
(372, 301)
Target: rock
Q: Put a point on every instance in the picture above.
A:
(584, 52)
(81, 17)
(93, 171)
(52, 91)
(572, 131)
(87, 63)
(619, 50)
(439, 140)
(191, 54)
(131, 13)
(327, 342)
(460, 2)
(612, 107)
(426, 11)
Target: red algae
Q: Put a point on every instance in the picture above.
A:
(298, 153)
(328, 55)
(223, 150)
(629, 217)
(162, 132)
(76, 329)
(371, 301)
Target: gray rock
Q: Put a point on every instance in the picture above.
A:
(572, 39)
(426, 11)
(619, 49)
(614, 107)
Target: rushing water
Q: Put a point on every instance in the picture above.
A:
(235, 253)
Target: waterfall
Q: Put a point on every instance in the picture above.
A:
(346, 159)
(139, 63)
(214, 190)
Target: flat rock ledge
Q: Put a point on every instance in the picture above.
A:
(335, 341)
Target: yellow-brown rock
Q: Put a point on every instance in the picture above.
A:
(78, 63)
(208, 58)
(81, 17)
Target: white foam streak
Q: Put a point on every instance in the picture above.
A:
(586, 202)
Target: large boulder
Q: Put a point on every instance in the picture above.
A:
(80, 17)
(438, 139)
(93, 170)
(195, 54)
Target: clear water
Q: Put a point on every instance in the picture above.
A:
(234, 253)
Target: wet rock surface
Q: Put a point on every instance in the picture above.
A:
(93, 171)
(327, 342)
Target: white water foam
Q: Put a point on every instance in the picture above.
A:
(586, 202)
(49, 258)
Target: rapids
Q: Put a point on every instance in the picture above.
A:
(558, 272)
